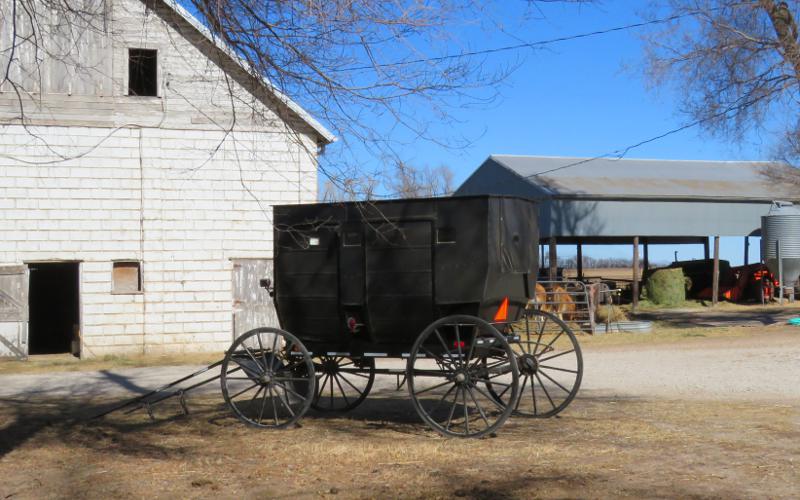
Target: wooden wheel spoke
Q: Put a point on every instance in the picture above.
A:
(446, 349)
(521, 391)
(427, 389)
(286, 402)
(542, 360)
(452, 409)
(274, 406)
(546, 393)
(262, 368)
(441, 400)
(466, 411)
(437, 357)
(557, 369)
(321, 387)
(460, 351)
(263, 404)
(250, 404)
(499, 405)
(243, 391)
(478, 406)
(346, 401)
(551, 379)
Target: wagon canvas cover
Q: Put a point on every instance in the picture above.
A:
(376, 273)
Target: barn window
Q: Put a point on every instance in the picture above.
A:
(127, 277)
(143, 72)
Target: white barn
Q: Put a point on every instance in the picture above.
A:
(139, 159)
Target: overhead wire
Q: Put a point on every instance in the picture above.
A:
(622, 152)
(538, 43)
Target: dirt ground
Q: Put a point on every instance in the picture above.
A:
(600, 448)
(610, 442)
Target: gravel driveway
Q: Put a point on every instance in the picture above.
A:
(763, 368)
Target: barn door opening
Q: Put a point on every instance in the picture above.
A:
(54, 308)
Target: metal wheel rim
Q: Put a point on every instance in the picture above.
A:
(456, 402)
(345, 387)
(268, 378)
(552, 386)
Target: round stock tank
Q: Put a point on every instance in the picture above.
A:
(781, 226)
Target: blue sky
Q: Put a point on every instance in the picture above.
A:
(584, 97)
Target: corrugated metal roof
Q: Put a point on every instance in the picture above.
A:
(623, 178)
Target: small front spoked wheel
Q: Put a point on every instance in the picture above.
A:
(268, 378)
(550, 364)
(448, 371)
(342, 382)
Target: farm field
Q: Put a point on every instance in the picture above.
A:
(686, 435)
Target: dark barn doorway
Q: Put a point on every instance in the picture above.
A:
(54, 313)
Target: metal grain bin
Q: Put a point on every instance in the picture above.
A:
(781, 226)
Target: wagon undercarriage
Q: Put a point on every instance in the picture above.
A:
(464, 377)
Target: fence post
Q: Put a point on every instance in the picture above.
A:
(635, 284)
(715, 276)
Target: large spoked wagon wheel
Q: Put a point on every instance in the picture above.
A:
(268, 378)
(448, 374)
(550, 365)
(342, 382)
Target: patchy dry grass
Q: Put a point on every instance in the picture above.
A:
(600, 448)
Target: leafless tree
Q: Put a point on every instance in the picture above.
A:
(736, 64)
(407, 181)
(371, 71)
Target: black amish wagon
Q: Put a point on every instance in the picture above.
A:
(441, 286)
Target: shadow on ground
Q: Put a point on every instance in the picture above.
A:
(601, 447)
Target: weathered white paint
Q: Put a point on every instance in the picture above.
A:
(173, 181)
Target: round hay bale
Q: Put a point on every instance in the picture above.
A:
(666, 287)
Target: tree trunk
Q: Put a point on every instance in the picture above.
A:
(786, 32)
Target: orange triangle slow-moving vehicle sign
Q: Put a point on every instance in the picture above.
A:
(502, 311)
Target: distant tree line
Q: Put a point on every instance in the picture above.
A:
(594, 263)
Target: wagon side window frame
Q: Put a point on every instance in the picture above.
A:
(445, 236)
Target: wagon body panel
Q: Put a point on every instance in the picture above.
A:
(367, 277)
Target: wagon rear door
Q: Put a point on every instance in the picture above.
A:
(399, 275)
(14, 311)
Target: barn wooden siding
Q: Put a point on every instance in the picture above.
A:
(167, 180)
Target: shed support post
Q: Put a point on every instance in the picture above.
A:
(715, 278)
(746, 250)
(646, 258)
(780, 271)
(553, 259)
(705, 249)
(541, 262)
(635, 283)
(580, 262)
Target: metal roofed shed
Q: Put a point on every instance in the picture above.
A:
(600, 199)
(624, 201)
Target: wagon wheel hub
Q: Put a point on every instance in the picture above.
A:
(266, 378)
(461, 377)
(528, 364)
(330, 366)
